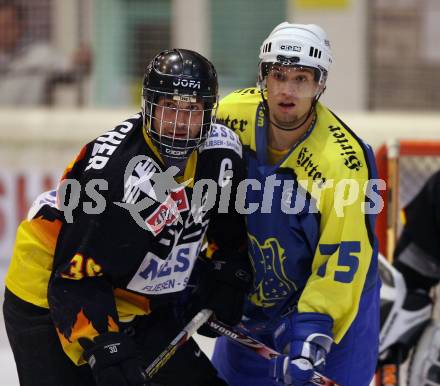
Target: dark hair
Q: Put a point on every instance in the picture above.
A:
(19, 10)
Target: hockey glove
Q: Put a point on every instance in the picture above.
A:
(223, 288)
(311, 342)
(112, 358)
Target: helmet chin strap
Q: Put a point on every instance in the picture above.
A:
(311, 110)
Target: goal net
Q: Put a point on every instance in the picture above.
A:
(405, 165)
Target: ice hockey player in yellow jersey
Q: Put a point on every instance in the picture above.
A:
(94, 293)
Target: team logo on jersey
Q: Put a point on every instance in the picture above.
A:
(272, 283)
(140, 179)
(157, 276)
(168, 212)
(147, 185)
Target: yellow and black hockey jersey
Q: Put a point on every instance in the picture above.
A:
(120, 235)
(310, 234)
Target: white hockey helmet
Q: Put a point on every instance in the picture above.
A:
(303, 45)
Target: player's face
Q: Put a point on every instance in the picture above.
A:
(179, 118)
(290, 92)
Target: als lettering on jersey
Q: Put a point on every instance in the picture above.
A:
(168, 212)
(157, 276)
(272, 282)
(222, 137)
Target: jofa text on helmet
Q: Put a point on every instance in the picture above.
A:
(190, 83)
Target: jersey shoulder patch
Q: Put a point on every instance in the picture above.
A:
(222, 137)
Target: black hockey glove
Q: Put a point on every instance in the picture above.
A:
(112, 358)
(223, 288)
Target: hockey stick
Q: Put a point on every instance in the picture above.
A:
(259, 348)
(178, 341)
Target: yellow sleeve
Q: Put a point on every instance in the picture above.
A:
(237, 111)
(31, 262)
(342, 258)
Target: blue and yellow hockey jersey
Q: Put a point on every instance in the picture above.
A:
(311, 242)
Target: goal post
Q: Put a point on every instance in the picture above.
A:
(405, 165)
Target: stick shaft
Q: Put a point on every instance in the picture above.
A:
(259, 348)
(182, 337)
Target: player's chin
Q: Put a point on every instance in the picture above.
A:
(286, 120)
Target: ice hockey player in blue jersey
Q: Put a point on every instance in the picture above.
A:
(315, 294)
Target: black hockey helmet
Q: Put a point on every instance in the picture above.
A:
(186, 78)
